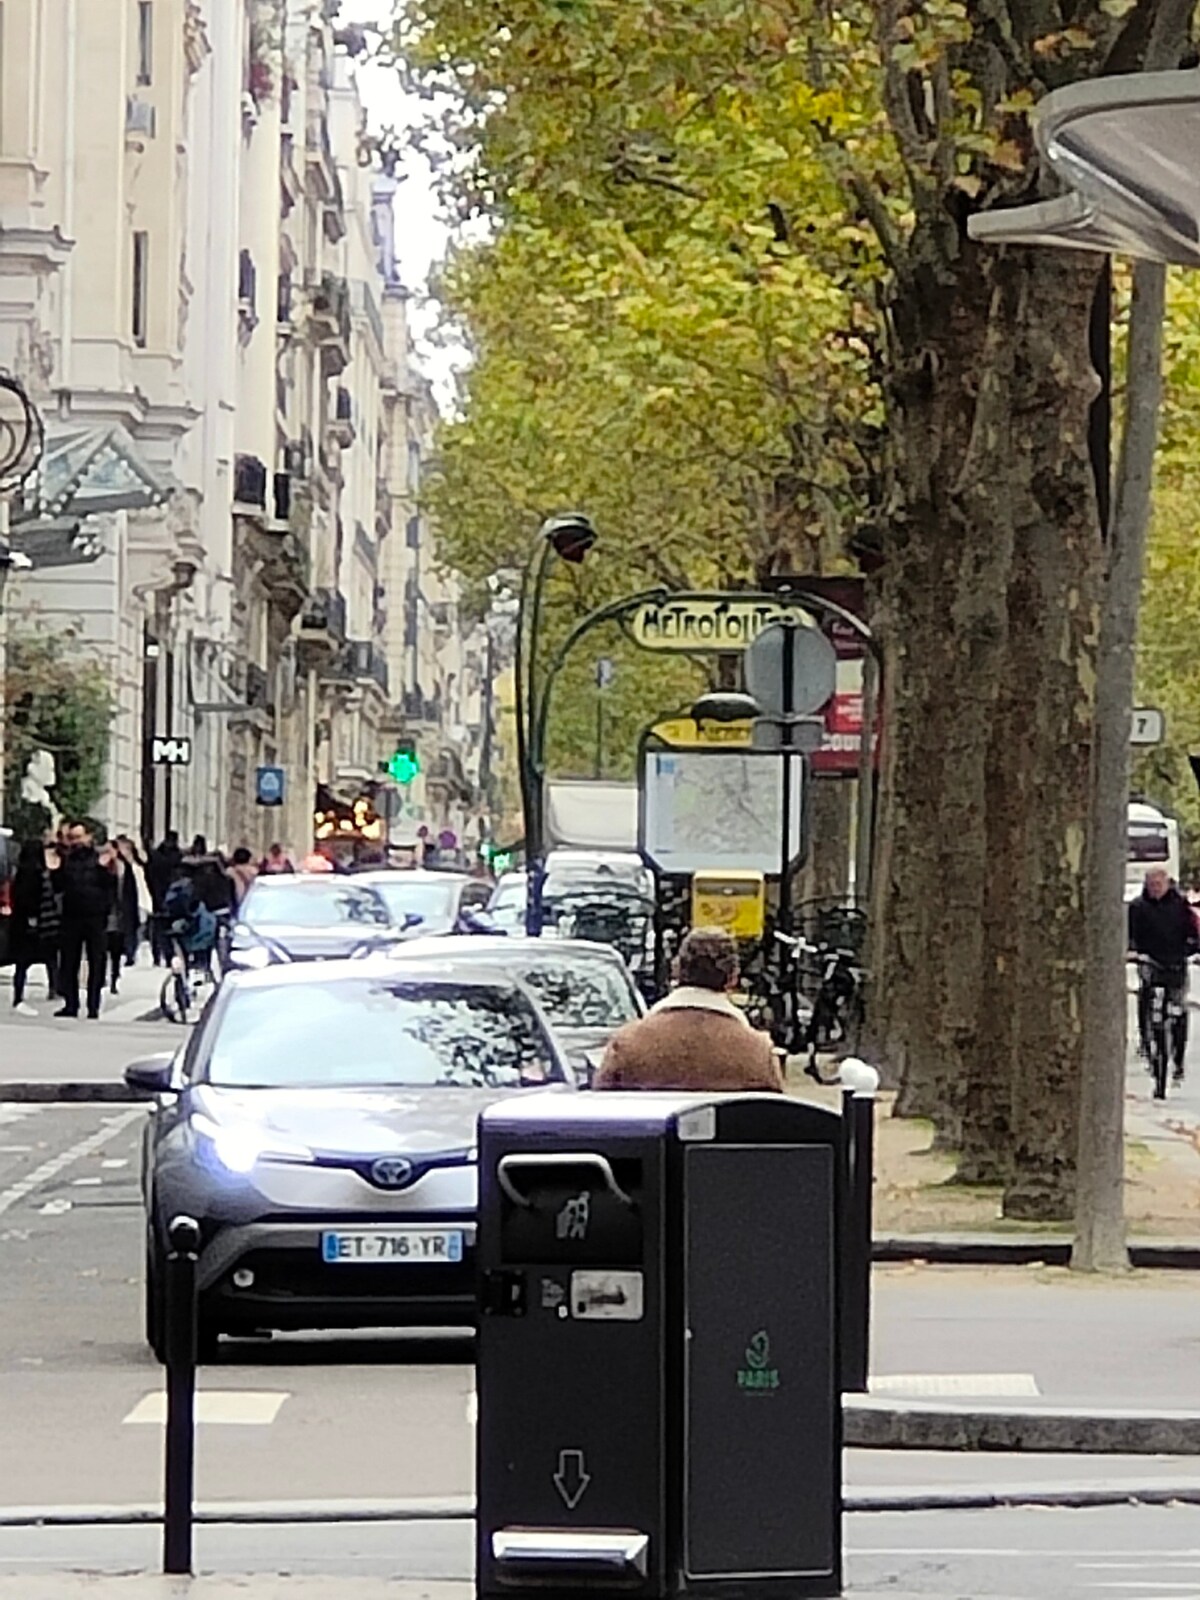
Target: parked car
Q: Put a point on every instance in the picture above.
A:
(585, 990)
(320, 1127)
(291, 918)
(431, 902)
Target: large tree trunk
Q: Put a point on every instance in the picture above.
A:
(825, 875)
(1099, 1201)
(1059, 547)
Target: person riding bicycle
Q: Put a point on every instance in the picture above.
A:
(1163, 934)
(190, 923)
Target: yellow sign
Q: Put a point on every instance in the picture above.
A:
(735, 901)
(709, 622)
(684, 733)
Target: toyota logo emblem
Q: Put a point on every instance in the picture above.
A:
(391, 1172)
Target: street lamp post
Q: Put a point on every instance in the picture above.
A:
(569, 536)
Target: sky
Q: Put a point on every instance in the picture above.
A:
(421, 235)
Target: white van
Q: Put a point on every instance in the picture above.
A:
(1152, 841)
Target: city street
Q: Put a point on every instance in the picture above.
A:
(317, 1423)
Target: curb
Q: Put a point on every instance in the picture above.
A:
(104, 1091)
(855, 1502)
(869, 1424)
(1023, 1250)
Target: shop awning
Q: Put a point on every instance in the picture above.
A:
(1127, 148)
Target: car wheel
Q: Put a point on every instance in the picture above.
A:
(207, 1335)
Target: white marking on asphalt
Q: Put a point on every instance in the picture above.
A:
(978, 1385)
(472, 1409)
(15, 1149)
(86, 1183)
(51, 1169)
(113, 1162)
(54, 1208)
(256, 1408)
(1139, 1566)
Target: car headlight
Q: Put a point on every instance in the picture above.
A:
(253, 957)
(240, 1149)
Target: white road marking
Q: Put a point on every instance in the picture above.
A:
(227, 1407)
(472, 1409)
(15, 1149)
(115, 1162)
(54, 1208)
(16, 1113)
(51, 1169)
(977, 1385)
(86, 1183)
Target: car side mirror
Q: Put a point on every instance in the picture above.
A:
(152, 1075)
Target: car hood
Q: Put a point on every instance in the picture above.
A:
(319, 944)
(356, 1122)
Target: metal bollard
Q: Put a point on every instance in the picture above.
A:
(180, 1307)
(860, 1083)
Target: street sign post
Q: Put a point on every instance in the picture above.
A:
(268, 786)
(791, 671)
(170, 752)
(1149, 726)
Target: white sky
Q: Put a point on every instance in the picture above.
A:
(421, 235)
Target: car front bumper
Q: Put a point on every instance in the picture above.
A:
(295, 1289)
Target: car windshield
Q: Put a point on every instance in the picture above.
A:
(322, 904)
(377, 1031)
(429, 901)
(581, 994)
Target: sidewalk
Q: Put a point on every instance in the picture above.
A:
(82, 1586)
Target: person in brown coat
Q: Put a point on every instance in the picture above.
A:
(695, 1038)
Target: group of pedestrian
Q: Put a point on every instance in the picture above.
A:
(72, 901)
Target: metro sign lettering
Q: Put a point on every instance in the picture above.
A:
(170, 752)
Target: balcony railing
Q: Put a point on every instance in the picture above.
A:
(418, 708)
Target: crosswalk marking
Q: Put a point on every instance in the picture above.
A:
(254, 1408)
(975, 1385)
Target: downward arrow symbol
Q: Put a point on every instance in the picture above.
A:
(571, 1479)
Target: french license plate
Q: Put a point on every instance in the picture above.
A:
(388, 1246)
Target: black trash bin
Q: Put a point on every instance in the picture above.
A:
(659, 1407)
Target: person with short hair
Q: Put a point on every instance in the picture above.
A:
(694, 1039)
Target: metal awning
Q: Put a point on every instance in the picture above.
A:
(85, 472)
(1128, 147)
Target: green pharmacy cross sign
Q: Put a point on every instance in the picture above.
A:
(405, 764)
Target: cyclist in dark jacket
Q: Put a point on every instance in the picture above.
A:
(1163, 933)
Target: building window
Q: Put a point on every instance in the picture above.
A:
(141, 273)
(145, 42)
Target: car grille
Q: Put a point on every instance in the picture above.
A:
(300, 1273)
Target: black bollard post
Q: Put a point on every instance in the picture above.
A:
(859, 1085)
(180, 1327)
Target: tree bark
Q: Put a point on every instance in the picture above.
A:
(826, 873)
(1100, 1200)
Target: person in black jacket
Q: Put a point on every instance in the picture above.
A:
(88, 890)
(35, 923)
(162, 869)
(1163, 934)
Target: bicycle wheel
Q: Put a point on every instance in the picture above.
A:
(1160, 1052)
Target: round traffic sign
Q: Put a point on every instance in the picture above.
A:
(791, 678)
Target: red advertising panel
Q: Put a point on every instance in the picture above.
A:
(840, 749)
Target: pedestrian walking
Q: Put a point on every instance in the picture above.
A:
(242, 872)
(35, 924)
(133, 893)
(276, 860)
(88, 890)
(162, 868)
(114, 928)
(695, 1038)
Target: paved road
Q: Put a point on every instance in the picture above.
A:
(1153, 1554)
(381, 1418)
